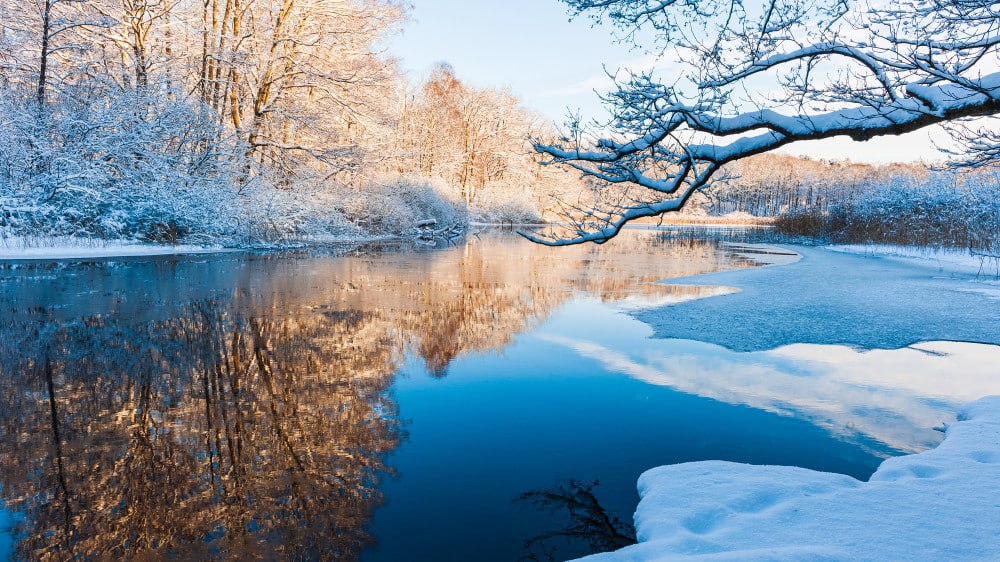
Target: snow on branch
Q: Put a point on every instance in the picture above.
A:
(761, 77)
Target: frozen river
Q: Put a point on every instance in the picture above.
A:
(393, 404)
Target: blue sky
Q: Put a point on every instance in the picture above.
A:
(528, 45)
(553, 64)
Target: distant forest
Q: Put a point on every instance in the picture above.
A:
(909, 204)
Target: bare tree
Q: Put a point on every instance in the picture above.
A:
(475, 139)
(54, 22)
(138, 25)
(835, 67)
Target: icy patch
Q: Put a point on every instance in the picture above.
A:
(988, 292)
(71, 248)
(834, 297)
(766, 254)
(937, 505)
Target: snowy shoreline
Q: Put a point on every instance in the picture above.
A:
(944, 260)
(71, 248)
(934, 505)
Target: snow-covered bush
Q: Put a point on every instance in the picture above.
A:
(500, 205)
(133, 166)
(394, 205)
(945, 209)
(140, 166)
(269, 214)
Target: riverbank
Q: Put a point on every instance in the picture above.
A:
(72, 248)
(933, 505)
(928, 504)
(950, 261)
(57, 248)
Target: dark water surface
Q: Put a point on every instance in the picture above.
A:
(392, 405)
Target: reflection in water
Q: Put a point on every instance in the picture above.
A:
(587, 521)
(893, 396)
(236, 407)
(207, 435)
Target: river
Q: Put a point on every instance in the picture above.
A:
(385, 403)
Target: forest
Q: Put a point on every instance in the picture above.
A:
(848, 202)
(238, 122)
(258, 122)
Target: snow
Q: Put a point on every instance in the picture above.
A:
(71, 248)
(854, 119)
(831, 297)
(937, 505)
(948, 261)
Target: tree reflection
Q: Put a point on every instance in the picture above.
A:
(241, 409)
(211, 435)
(587, 523)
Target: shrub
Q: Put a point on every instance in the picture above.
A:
(947, 210)
(394, 205)
(501, 205)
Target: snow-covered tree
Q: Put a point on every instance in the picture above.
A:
(761, 76)
(476, 140)
(168, 119)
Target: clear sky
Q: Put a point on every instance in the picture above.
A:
(553, 64)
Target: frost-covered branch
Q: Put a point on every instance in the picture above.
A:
(761, 77)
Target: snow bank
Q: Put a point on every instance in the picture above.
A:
(941, 504)
(947, 261)
(70, 248)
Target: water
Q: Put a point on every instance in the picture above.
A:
(392, 405)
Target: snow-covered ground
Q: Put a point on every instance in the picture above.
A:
(71, 248)
(942, 504)
(946, 261)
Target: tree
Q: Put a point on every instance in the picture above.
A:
(137, 25)
(296, 77)
(832, 67)
(478, 141)
(53, 24)
(130, 118)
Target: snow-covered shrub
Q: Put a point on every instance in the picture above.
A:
(945, 209)
(132, 166)
(394, 205)
(270, 214)
(141, 166)
(503, 205)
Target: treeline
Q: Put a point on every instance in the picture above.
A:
(848, 202)
(475, 140)
(769, 185)
(240, 121)
(942, 210)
